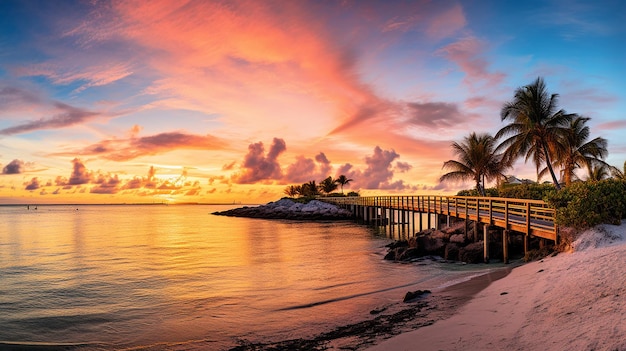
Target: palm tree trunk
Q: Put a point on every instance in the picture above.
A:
(549, 164)
(480, 189)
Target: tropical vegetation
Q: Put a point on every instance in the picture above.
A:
(477, 161)
(327, 186)
(536, 130)
(557, 142)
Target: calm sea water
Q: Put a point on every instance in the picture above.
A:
(129, 276)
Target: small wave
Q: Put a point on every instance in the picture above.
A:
(46, 346)
(337, 285)
(342, 298)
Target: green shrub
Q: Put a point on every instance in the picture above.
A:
(490, 192)
(527, 191)
(586, 204)
(336, 195)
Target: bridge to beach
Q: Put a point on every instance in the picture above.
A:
(527, 217)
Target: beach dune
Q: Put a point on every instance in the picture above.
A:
(572, 301)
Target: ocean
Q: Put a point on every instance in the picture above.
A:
(158, 277)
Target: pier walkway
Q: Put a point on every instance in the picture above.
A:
(528, 217)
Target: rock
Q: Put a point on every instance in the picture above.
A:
(438, 234)
(391, 255)
(288, 209)
(472, 253)
(409, 254)
(398, 243)
(430, 246)
(457, 238)
(412, 295)
(451, 252)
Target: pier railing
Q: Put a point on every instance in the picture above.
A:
(533, 217)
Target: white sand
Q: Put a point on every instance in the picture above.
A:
(574, 301)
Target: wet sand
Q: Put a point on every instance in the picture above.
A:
(389, 321)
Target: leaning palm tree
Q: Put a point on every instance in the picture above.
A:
(536, 127)
(343, 180)
(598, 172)
(618, 173)
(577, 151)
(328, 185)
(477, 161)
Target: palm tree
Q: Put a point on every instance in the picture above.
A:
(598, 172)
(343, 180)
(328, 185)
(293, 190)
(536, 127)
(618, 173)
(579, 152)
(477, 160)
(310, 189)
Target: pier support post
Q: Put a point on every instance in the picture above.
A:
(505, 246)
(486, 242)
(421, 221)
(542, 243)
(525, 244)
(476, 231)
(466, 228)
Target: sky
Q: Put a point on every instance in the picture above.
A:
(232, 101)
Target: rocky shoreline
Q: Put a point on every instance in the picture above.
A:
(449, 244)
(289, 209)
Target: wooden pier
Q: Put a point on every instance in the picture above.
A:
(527, 217)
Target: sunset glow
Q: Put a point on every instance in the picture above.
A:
(231, 101)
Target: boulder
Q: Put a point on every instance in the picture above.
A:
(398, 243)
(412, 295)
(457, 239)
(451, 252)
(472, 253)
(409, 254)
(430, 245)
(396, 253)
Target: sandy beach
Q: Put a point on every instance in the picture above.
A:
(573, 301)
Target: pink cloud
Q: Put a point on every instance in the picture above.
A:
(403, 167)
(33, 184)
(14, 167)
(306, 169)
(128, 149)
(80, 174)
(612, 125)
(447, 23)
(435, 114)
(378, 173)
(260, 167)
(467, 53)
(11, 96)
(67, 116)
(99, 74)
